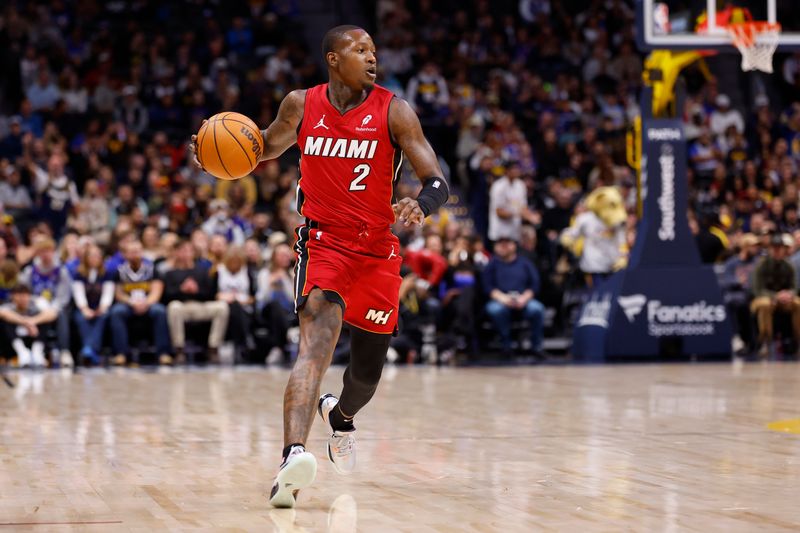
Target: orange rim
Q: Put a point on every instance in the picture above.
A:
(744, 33)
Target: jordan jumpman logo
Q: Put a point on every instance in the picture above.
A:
(321, 124)
(392, 254)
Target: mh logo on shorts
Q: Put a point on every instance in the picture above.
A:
(379, 317)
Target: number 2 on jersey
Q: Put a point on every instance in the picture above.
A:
(363, 171)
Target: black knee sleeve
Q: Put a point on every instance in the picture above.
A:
(367, 355)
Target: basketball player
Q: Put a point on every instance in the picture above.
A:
(352, 135)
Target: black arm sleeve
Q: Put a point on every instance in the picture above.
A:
(434, 194)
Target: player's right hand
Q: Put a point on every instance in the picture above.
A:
(193, 149)
(407, 210)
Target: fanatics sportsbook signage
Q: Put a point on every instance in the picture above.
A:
(666, 303)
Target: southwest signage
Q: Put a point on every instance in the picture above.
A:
(665, 303)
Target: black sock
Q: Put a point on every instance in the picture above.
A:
(339, 422)
(289, 448)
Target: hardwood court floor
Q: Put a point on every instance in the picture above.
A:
(613, 448)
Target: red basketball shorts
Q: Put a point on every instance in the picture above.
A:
(357, 268)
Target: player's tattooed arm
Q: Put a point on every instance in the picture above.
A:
(406, 131)
(282, 133)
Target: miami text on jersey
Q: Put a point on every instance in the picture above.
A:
(349, 148)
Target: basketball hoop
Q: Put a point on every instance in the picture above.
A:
(757, 41)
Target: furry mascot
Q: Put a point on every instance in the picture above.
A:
(597, 235)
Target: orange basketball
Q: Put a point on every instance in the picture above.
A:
(229, 145)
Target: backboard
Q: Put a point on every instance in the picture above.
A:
(699, 24)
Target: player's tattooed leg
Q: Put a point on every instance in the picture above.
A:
(320, 324)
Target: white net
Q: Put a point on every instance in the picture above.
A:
(757, 41)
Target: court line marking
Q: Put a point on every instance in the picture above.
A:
(168, 443)
(99, 523)
(785, 426)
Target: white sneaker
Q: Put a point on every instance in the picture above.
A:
(37, 355)
(342, 444)
(66, 359)
(226, 352)
(274, 357)
(392, 356)
(297, 472)
(737, 345)
(24, 357)
(764, 351)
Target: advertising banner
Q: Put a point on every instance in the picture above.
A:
(665, 303)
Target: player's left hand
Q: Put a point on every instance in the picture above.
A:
(193, 150)
(408, 212)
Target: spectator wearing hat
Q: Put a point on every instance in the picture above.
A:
(50, 286)
(14, 196)
(774, 289)
(189, 293)
(724, 117)
(131, 112)
(511, 282)
(508, 205)
(23, 318)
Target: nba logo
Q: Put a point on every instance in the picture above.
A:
(661, 24)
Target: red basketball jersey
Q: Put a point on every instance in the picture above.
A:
(348, 162)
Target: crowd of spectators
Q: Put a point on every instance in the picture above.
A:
(107, 226)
